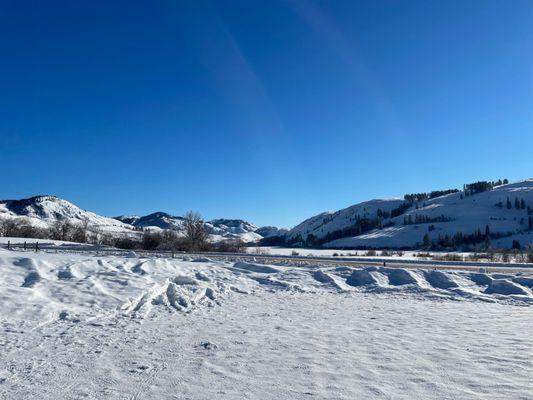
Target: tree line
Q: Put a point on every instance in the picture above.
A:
(193, 238)
(415, 197)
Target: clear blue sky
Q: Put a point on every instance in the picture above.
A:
(271, 111)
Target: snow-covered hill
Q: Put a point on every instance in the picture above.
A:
(506, 210)
(219, 229)
(328, 222)
(159, 220)
(269, 231)
(42, 211)
(233, 229)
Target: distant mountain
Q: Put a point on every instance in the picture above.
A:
(233, 229)
(219, 229)
(481, 213)
(42, 211)
(159, 220)
(269, 231)
(460, 217)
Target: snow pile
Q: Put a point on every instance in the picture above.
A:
(505, 287)
(47, 284)
(443, 283)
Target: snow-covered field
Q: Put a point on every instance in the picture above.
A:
(306, 252)
(86, 326)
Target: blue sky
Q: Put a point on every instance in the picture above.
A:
(271, 111)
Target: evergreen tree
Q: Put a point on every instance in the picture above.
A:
(509, 205)
(426, 243)
(516, 203)
(516, 245)
(522, 204)
(487, 242)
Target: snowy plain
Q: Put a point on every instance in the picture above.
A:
(107, 327)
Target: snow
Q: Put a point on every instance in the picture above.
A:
(43, 211)
(327, 222)
(85, 326)
(269, 231)
(466, 215)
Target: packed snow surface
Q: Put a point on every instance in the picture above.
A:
(88, 326)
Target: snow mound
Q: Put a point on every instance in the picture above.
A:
(440, 280)
(440, 283)
(528, 282)
(181, 293)
(505, 287)
(202, 260)
(362, 278)
(138, 269)
(260, 268)
(330, 279)
(65, 274)
(323, 277)
(184, 280)
(400, 276)
(480, 278)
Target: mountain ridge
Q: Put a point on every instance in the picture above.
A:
(482, 213)
(42, 211)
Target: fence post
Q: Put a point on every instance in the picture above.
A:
(36, 246)
(8, 245)
(24, 245)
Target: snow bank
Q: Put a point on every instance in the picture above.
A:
(260, 268)
(505, 287)
(454, 284)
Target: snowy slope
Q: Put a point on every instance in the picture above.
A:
(269, 231)
(42, 211)
(233, 229)
(155, 220)
(324, 223)
(461, 213)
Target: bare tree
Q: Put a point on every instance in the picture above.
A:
(8, 227)
(20, 227)
(196, 235)
(61, 230)
(79, 234)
